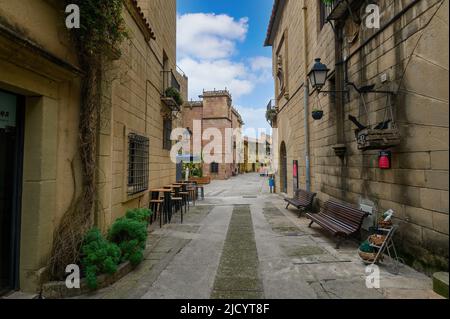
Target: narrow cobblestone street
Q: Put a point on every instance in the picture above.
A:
(241, 242)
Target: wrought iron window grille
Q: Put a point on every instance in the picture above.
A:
(138, 164)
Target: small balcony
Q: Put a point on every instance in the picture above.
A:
(271, 105)
(271, 113)
(171, 91)
(338, 9)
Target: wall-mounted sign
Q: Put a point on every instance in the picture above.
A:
(7, 110)
(295, 175)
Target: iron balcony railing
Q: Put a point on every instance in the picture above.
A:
(337, 9)
(179, 70)
(271, 105)
(330, 6)
(170, 81)
(271, 110)
(169, 96)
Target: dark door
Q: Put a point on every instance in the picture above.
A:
(179, 171)
(283, 168)
(10, 177)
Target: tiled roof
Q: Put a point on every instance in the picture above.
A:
(277, 5)
(143, 20)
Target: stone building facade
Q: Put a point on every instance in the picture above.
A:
(215, 113)
(406, 54)
(40, 86)
(257, 154)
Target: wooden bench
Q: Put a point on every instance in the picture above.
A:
(303, 200)
(340, 219)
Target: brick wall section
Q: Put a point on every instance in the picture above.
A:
(215, 112)
(412, 55)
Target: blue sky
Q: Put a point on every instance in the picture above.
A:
(220, 44)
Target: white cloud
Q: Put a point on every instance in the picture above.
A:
(261, 68)
(209, 36)
(216, 74)
(261, 63)
(207, 47)
(254, 119)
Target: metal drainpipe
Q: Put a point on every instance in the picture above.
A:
(306, 100)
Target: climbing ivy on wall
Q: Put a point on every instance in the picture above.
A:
(102, 27)
(97, 41)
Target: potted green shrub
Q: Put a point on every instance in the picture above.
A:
(174, 94)
(271, 114)
(129, 233)
(98, 256)
(317, 114)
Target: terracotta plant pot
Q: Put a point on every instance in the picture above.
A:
(377, 239)
(383, 224)
(368, 257)
(317, 115)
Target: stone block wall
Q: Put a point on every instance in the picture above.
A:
(135, 87)
(410, 54)
(50, 90)
(49, 79)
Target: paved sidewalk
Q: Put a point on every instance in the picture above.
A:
(240, 242)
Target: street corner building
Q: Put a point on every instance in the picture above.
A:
(40, 95)
(379, 136)
(214, 113)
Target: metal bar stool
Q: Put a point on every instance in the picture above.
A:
(168, 207)
(202, 191)
(178, 200)
(192, 192)
(185, 194)
(156, 206)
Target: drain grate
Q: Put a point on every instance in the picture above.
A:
(250, 196)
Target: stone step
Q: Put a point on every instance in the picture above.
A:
(440, 283)
(21, 295)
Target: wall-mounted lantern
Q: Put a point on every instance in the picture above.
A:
(318, 75)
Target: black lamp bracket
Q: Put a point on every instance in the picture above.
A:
(361, 90)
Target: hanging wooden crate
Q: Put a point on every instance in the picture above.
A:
(372, 139)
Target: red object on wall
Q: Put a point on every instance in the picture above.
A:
(295, 175)
(384, 160)
(295, 168)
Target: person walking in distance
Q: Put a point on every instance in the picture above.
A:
(271, 183)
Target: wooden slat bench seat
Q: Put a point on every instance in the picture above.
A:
(341, 220)
(303, 200)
